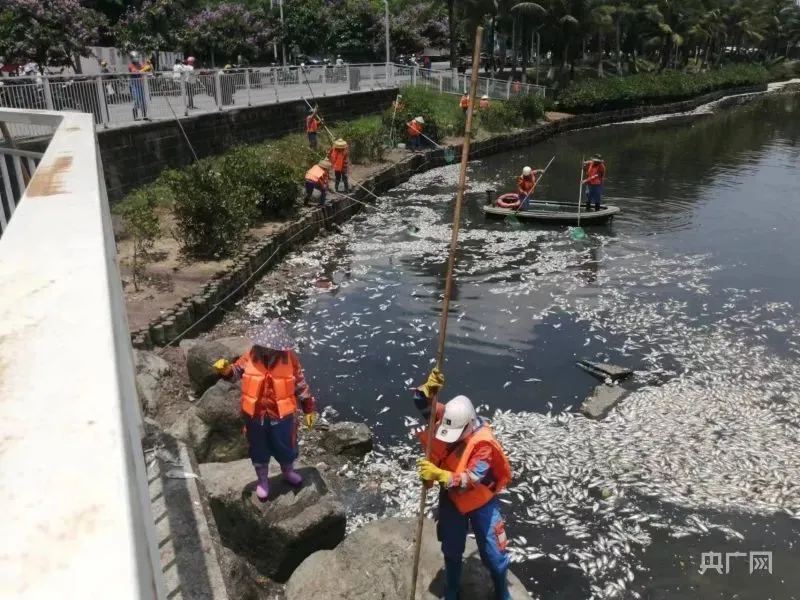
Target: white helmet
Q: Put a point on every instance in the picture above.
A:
(458, 415)
(420, 120)
(526, 171)
(484, 97)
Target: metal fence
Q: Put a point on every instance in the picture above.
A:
(61, 292)
(121, 99)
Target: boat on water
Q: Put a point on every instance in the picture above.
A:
(539, 211)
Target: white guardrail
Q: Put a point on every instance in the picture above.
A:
(120, 99)
(76, 519)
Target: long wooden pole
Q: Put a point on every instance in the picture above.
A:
(448, 288)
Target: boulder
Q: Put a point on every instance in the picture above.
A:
(147, 390)
(277, 535)
(602, 399)
(200, 359)
(150, 363)
(375, 562)
(216, 432)
(237, 346)
(150, 370)
(351, 439)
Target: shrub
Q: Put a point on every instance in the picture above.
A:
(140, 222)
(784, 69)
(365, 138)
(647, 88)
(442, 115)
(523, 111)
(275, 183)
(212, 212)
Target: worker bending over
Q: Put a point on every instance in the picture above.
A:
(339, 157)
(526, 184)
(272, 384)
(471, 468)
(317, 178)
(595, 170)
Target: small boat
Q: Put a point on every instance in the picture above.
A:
(556, 213)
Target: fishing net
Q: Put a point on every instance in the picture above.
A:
(577, 233)
(449, 155)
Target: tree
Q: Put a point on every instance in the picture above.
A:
(356, 30)
(226, 31)
(306, 25)
(156, 25)
(47, 32)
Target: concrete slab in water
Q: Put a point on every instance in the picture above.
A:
(603, 370)
(602, 400)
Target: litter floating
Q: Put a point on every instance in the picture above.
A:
(605, 370)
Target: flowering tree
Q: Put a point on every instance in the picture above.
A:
(356, 30)
(228, 30)
(155, 26)
(47, 32)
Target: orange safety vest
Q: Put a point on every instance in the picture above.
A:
(311, 124)
(269, 391)
(318, 175)
(456, 458)
(526, 185)
(414, 129)
(338, 158)
(464, 102)
(595, 169)
(484, 103)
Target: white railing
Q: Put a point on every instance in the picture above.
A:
(120, 99)
(76, 520)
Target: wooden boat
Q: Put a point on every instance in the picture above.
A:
(555, 213)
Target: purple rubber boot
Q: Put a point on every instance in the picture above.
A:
(289, 474)
(262, 489)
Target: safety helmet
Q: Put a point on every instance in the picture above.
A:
(340, 144)
(526, 171)
(325, 164)
(420, 120)
(135, 56)
(399, 96)
(484, 97)
(190, 60)
(458, 415)
(597, 158)
(103, 63)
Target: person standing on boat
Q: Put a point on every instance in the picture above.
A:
(471, 468)
(595, 170)
(526, 183)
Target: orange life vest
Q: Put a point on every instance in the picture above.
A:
(464, 102)
(338, 158)
(269, 391)
(455, 458)
(525, 185)
(595, 173)
(311, 124)
(484, 103)
(318, 175)
(414, 129)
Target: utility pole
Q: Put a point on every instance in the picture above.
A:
(386, 24)
(274, 43)
(283, 45)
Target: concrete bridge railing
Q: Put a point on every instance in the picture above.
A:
(75, 514)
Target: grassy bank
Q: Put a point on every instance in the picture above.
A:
(616, 93)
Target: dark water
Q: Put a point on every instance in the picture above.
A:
(694, 279)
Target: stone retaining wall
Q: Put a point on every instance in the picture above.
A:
(200, 312)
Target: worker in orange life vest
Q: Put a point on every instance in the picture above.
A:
(339, 157)
(317, 178)
(484, 102)
(526, 183)
(595, 170)
(464, 102)
(471, 468)
(415, 132)
(312, 125)
(272, 384)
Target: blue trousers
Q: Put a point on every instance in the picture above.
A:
(313, 185)
(525, 199)
(594, 195)
(414, 142)
(312, 140)
(489, 529)
(267, 439)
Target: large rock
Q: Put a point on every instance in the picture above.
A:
(216, 432)
(200, 359)
(150, 370)
(279, 534)
(237, 346)
(602, 399)
(351, 439)
(375, 562)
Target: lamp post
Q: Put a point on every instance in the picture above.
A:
(283, 46)
(386, 24)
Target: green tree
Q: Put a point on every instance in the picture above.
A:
(306, 25)
(356, 30)
(226, 31)
(155, 25)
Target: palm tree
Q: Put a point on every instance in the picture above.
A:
(526, 13)
(602, 21)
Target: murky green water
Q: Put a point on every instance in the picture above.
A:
(694, 286)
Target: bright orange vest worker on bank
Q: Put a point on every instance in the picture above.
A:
(471, 468)
(272, 384)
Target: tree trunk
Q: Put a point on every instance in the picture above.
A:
(489, 69)
(513, 47)
(618, 49)
(600, 54)
(451, 21)
(524, 58)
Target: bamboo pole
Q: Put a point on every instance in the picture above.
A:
(448, 288)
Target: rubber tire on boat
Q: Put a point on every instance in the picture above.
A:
(509, 200)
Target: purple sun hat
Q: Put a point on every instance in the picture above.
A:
(273, 335)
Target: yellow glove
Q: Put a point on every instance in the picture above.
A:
(222, 366)
(430, 472)
(311, 419)
(434, 383)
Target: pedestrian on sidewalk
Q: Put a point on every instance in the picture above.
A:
(273, 385)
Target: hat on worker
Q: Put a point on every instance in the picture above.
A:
(420, 120)
(485, 97)
(340, 144)
(458, 415)
(273, 335)
(325, 164)
(597, 158)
